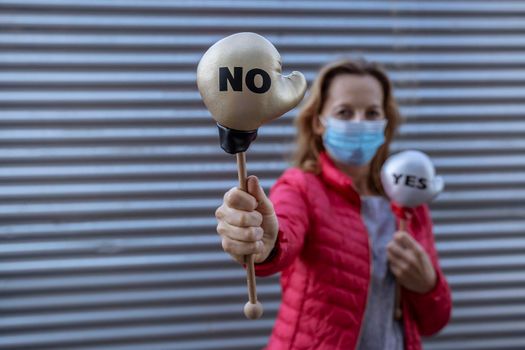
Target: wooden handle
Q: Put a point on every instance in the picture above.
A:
(402, 225)
(253, 308)
(397, 306)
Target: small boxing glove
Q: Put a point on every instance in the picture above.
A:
(409, 179)
(240, 81)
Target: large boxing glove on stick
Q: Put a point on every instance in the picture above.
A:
(240, 81)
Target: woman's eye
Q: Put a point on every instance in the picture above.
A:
(345, 113)
(373, 114)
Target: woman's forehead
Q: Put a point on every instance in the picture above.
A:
(355, 90)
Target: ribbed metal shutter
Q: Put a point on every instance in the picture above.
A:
(111, 171)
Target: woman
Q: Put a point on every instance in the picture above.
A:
(329, 229)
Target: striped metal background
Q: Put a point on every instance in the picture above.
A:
(111, 171)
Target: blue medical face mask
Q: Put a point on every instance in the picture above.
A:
(353, 142)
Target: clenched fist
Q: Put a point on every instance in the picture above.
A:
(410, 263)
(247, 222)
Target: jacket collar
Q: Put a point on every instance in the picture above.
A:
(342, 183)
(337, 179)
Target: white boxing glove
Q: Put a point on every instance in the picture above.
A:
(409, 179)
(240, 81)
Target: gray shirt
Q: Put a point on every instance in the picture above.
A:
(380, 330)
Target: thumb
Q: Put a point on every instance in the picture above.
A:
(265, 206)
(291, 90)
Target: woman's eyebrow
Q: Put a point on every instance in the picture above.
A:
(345, 105)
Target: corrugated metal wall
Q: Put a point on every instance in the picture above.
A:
(111, 171)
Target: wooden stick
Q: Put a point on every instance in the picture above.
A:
(397, 306)
(253, 308)
(402, 225)
(241, 167)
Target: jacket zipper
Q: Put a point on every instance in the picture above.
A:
(367, 290)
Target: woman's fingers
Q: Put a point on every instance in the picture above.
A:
(402, 258)
(404, 239)
(235, 247)
(264, 205)
(395, 251)
(239, 218)
(240, 241)
(242, 234)
(241, 200)
(397, 270)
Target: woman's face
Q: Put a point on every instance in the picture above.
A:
(353, 97)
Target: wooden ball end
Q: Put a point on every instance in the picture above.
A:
(253, 311)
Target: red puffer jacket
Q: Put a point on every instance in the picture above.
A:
(323, 252)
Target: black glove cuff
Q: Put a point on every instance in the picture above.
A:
(235, 141)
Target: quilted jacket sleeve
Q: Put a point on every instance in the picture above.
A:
(289, 200)
(431, 310)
